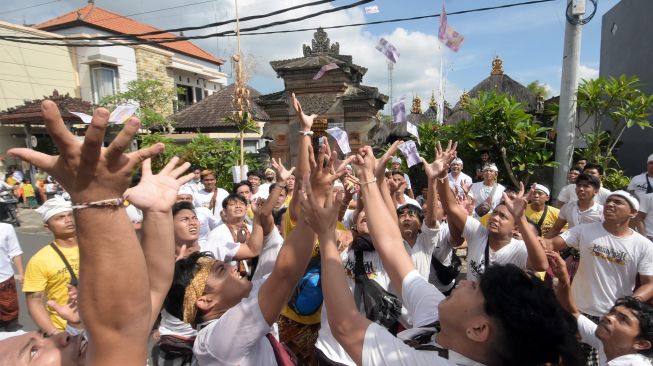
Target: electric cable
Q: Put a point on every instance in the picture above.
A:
(577, 20)
(181, 29)
(231, 33)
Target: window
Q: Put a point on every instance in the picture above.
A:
(199, 95)
(184, 96)
(103, 82)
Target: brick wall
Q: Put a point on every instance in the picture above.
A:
(155, 66)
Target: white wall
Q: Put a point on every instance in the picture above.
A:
(125, 57)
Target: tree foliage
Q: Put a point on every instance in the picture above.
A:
(152, 97)
(498, 123)
(612, 105)
(538, 89)
(205, 153)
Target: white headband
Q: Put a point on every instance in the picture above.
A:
(52, 207)
(628, 197)
(542, 188)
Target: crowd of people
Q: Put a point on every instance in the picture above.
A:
(330, 262)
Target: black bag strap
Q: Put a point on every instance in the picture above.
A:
(649, 187)
(73, 277)
(359, 272)
(487, 255)
(541, 220)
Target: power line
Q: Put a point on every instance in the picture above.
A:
(182, 29)
(29, 7)
(231, 33)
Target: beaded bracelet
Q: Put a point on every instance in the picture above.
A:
(112, 202)
(366, 183)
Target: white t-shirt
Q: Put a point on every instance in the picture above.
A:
(263, 191)
(203, 198)
(587, 330)
(237, 337)
(608, 265)
(571, 213)
(221, 243)
(195, 186)
(271, 246)
(455, 183)
(9, 248)
(424, 246)
(568, 194)
(481, 192)
(442, 252)
(638, 184)
(477, 238)
(208, 222)
(382, 348)
(171, 325)
(326, 342)
(646, 206)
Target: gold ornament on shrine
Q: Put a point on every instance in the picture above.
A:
(417, 105)
(464, 99)
(497, 66)
(433, 104)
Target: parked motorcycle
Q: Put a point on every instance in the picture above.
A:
(9, 208)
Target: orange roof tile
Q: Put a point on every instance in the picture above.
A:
(95, 17)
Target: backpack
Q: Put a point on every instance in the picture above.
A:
(446, 274)
(379, 305)
(307, 296)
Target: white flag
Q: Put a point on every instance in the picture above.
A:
(399, 111)
(341, 138)
(412, 129)
(122, 113)
(85, 117)
(372, 9)
(409, 149)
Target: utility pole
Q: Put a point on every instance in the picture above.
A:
(567, 117)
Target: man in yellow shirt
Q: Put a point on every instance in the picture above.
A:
(543, 215)
(47, 275)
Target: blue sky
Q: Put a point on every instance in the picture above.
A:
(528, 38)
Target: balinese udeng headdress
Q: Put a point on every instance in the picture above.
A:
(195, 289)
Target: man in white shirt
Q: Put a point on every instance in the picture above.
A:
(10, 252)
(645, 215)
(643, 183)
(211, 196)
(611, 257)
(195, 185)
(585, 210)
(568, 192)
(508, 318)
(207, 220)
(457, 179)
(489, 190)
(623, 336)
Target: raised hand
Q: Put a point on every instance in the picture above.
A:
(366, 163)
(323, 173)
(305, 122)
(69, 311)
(382, 162)
(438, 168)
(558, 268)
(158, 193)
(516, 206)
(321, 219)
(282, 173)
(87, 171)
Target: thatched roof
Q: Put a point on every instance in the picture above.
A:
(213, 110)
(501, 84)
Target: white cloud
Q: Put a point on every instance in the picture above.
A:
(587, 73)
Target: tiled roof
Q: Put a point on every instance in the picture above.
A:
(95, 17)
(213, 110)
(30, 112)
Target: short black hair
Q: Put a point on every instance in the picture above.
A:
(240, 184)
(233, 197)
(185, 270)
(411, 208)
(256, 173)
(274, 185)
(397, 172)
(511, 189)
(598, 167)
(575, 168)
(590, 179)
(581, 158)
(644, 313)
(183, 205)
(533, 328)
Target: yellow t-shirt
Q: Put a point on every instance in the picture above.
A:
(550, 219)
(288, 226)
(46, 272)
(28, 190)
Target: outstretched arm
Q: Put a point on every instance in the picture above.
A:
(112, 261)
(437, 171)
(305, 153)
(347, 325)
(562, 283)
(536, 257)
(384, 231)
(155, 195)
